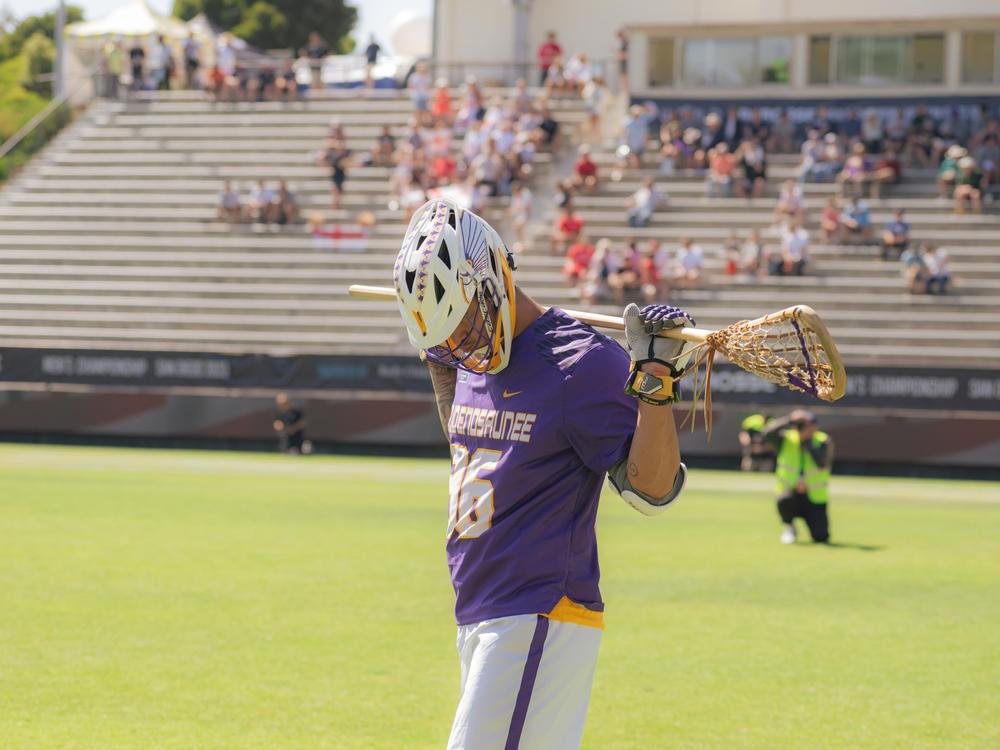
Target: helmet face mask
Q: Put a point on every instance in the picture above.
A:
(455, 290)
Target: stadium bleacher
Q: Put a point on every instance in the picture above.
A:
(108, 239)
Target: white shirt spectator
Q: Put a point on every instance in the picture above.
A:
(795, 243)
(229, 198)
(472, 144)
(690, 258)
(225, 58)
(262, 196)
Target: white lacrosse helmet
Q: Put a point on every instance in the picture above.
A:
(454, 288)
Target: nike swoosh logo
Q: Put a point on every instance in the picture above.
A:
(508, 394)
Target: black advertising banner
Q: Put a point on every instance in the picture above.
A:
(872, 387)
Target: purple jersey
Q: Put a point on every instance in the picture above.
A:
(529, 450)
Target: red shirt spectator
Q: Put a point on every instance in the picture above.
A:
(443, 168)
(585, 166)
(569, 225)
(548, 53)
(578, 260)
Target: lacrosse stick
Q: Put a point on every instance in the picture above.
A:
(791, 348)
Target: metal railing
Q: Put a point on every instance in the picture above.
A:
(57, 104)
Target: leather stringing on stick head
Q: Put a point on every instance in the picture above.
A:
(791, 348)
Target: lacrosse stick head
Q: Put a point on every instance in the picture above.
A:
(791, 348)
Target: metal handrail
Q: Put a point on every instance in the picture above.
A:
(25, 130)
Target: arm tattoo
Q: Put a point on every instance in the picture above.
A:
(633, 469)
(443, 379)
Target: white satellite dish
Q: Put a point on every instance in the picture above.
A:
(410, 34)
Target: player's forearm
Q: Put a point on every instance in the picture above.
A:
(443, 379)
(655, 457)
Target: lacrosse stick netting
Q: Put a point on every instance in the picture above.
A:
(790, 348)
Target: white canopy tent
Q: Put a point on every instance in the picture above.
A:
(133, 19)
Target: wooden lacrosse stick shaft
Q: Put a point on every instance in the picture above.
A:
(694, 335)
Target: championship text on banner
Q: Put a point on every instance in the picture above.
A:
(876, 387)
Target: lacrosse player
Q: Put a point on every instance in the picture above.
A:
(538, 407)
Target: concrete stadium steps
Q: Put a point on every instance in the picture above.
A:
(299, 256)
(110, 241)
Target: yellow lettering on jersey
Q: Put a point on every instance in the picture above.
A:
(474, 421)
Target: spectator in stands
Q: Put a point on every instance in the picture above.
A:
(262, 86)
(783, 134)
(712, 134)
(752, 254)
(887, 171)
(794, 251)
(753, 165)
(688, 265)
(811, 152)
(385, 147)
(636, 134)
(652, 286)
(230, 206)
(137, 61)
(549, 128)
(987, 154)
(419, 87)
(872, 132)
(112, 57)
(851, 127)
(192, 62)
(286, 204)
(643, 203)
(731, 253)
(938, 275)
(520, 210)
(262, 208)
(914, 270)
(303, 73)
(856, 172)
(895, 236)
(285, 85)
(577, 73)
(948, 170)
(568, 228)
(920, 138)
(830, 160)
(721, 166)
(160, 63)
(603, 265)
(488, 169)
(585, 170)
(371, 58)
(791, 203)
(441, 106)
(829, 222)
(856, 219)
(336, 157)
(621, 57)
(627, 278)
(577, 263)
(595, 94)
(969, 186)
(548, 53)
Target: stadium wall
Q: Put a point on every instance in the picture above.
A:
(943, 417)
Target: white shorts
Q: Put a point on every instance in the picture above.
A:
(525, 684)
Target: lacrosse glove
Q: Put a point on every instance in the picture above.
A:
(641, 329)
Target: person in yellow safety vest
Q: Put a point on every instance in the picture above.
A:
(752, 445)
(804, 460)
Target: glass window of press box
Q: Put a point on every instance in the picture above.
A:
(876, 60)
(719, 62)
(979, 57)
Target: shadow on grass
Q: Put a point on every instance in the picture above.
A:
(852, 545)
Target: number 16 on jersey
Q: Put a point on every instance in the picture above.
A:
(470, 495)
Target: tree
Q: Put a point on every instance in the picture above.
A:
(44, 23)
(39, 59)
(276, 24)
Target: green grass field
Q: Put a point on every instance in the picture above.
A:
(185, 600)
